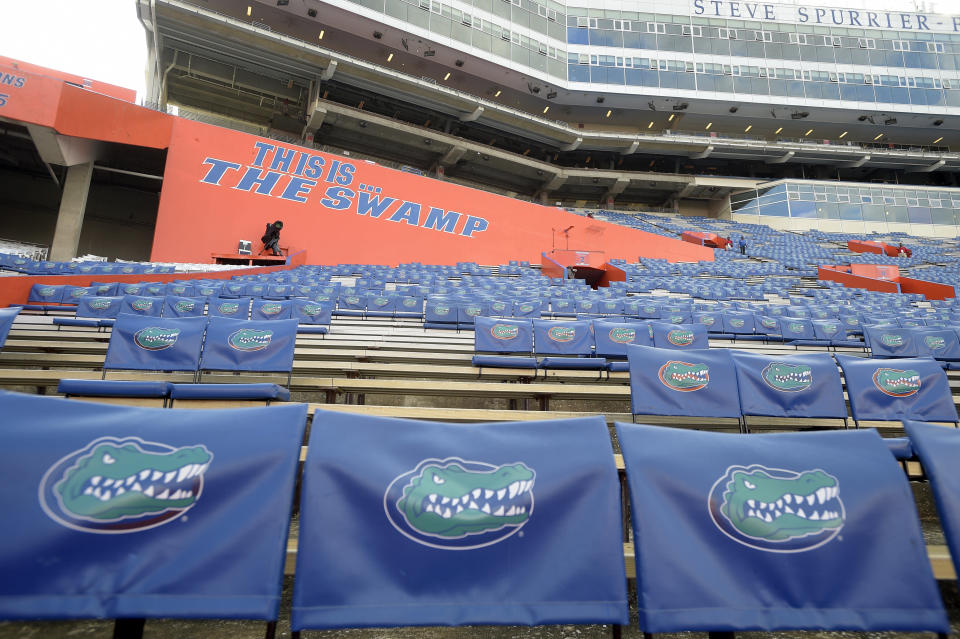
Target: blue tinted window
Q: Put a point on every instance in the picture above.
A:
(578, 36)
(803, 209)
(919, 214)
(579, 72)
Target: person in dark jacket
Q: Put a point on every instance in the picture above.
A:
(271, 238)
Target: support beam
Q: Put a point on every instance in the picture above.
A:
(452, 156)
(927, 169)
(703, 154)
(686, 190)
(316, 119)
(573, 146)
(855, 164)
(73, 204)
(554, 182)
(617, 188)
(329, 71)
(782, 159)
(473, 115)
(632, 149)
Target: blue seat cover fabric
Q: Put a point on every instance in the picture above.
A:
(891, 341)
(942, 344)
(792, 328)
(938, 449)
(99, 306)
(155, 343)
(896, 389)
(900, 447)
(502, 335)
(76, 321)
(806, 385)
(574, 363)
(612, 338)
(143, 305)
(271, 310)
(217, 550)
(690, 336)
(695, 383)
(548, 551)
(264, 391)
(73, 294)
(113, 388)
(738, 323)
(311, 312)
(562, 337)
(504, 361)
(237, 308)
(176, 306)
(45, 294)
(7, 317)
(722, 545)
(250, 345)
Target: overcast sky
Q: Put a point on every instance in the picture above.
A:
(98, 39)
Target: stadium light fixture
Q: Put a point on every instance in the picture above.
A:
(497, 94)
(390, 58)
(249, 10)
(710, 124)
(320, 37)
(938, 140)
(546, 108)
(650, 126)
(747, 130)
(844, 134)
(808, 133)
(672, 116)
(609, 112)
(878, 137)
(446, 77)
(777, 132)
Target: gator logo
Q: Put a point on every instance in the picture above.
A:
(897, 383)
(777, 510)
(680, 337)
(380, 301)
(250, 339)
(737, 323)
(787, 378)
(681, 376)
(271, 308)
(351, 299)
(153, 290)
(650, 309)
(184, 307)
(228, 308)
(675, 319)
(472, 310)
(141, 305)
(257, 289)
(708, 320)
(323, 298)
(441, 310)
(46, 291)
(311, 310)
(526, 308)
(892, 340)
(453, 504)
(768, 323)
(504, 331)
(207, 291)
(78, 292)
(561, 333)
(156, 338)
(909, 324)
(233, 288)
(820, 314)
(409, 302)
(103, 290)
(498, 306)
(179, 290)
(86, 269)
(852, 321)
(776, 311)
(934, 343)
(610, 306)
(98, 304)
(131, 290)
(586, 305)
(127, 269)
(830, 329)
(622, 335)
(795, 327)
(19, 262)
(116, 486)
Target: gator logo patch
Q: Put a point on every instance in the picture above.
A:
(78, 292)
(178, 290)
(207, 291)
(909, 324)
(769, 323)
(622, 335)
(776, 311)
(142, 305)
(561, 333)
(680, 337)
(787, 378)
(830, 329)
(184, 307)
(852, 321)
(683, 376)
(98, 304)
(795, 327)
(380, 301)
(116, 486)
(586, 305)
(650, 309)
(154, 290)
(352, 299)
(86, 269)
(892, 340)
(441, 310)
(526, 308)
(257, 289)
(454, 504)
(897, 383)
(271, 308)
(249, 339)
(708, 320)
(472, 310)
(498, 306)
(934, 343)
(737, 323)
(675, 319)
(409, 302)
(228, 308)
(127, 269)
(504, 331)
(609, 306)
(156, 338)
(46, 291)
(311, 310)
(777, 510)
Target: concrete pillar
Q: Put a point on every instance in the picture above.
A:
(73, 204)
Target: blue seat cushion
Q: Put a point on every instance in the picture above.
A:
(260, 391)
(900, 447)
(349, 313)
(407, 314)
(380, 313)
(854, 343)
(113, 388)
(76, 321)
(108, 321)
(618, 367)
(953, 366)
(748, 338)
(443, 325)
(504, 361)
(809, 342)
(313, 329)
(576, 363)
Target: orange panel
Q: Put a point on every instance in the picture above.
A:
(27, 97)
(112, 90)
(84, 114)
(221, 186)
(930, 290)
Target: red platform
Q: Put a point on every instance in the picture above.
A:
(248, 260)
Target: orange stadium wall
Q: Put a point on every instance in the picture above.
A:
(221, 186)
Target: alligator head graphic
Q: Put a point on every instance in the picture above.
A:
(786, 377)
(683, 376)
(250, 339)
